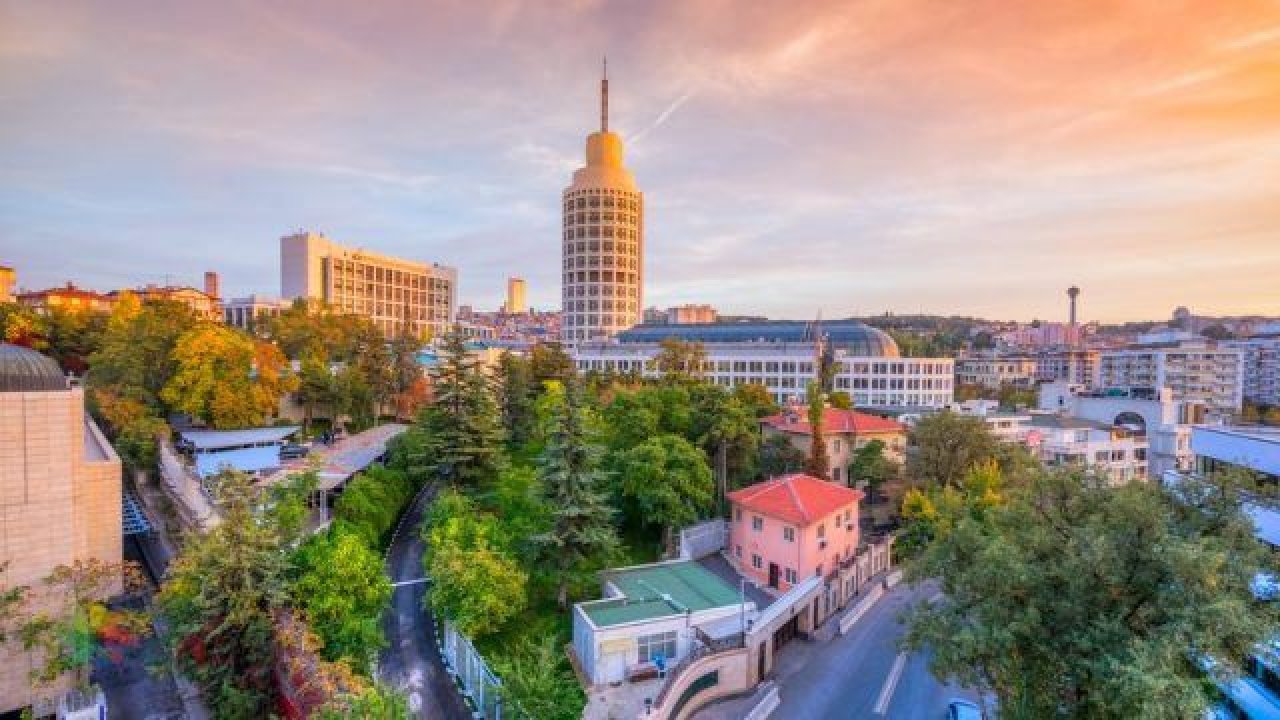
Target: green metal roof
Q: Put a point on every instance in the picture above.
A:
(686, 585)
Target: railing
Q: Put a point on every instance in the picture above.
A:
(698, 652)
(481, 686)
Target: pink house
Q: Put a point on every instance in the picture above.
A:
(791, 527)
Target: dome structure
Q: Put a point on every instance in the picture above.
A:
(25, 370)
(855, 338)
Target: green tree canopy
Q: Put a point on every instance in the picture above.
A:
(948, 445)
(582, 529)
(464, 418)
(871, 466)
(779, 456)
(1075, 599)
(667, 483)
(340, 583)
(476, 582)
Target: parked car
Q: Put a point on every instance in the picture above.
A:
(963, 710)
(293, 451)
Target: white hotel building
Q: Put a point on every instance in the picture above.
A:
(780, 355)
(1196, 371)
(1261, 366)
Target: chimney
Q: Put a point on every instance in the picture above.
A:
(211, 284)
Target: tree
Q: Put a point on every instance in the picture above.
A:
(372, 502)
(667, 483)
(840, 400)
(537, 678)
(1075, 599)
(582, 521)
(475, 582)
(1271, 416)
(817, 464)
(517, 392)
(136, 355)
(316, 386)
(464, 419)
(779, 456)
(727, 432)
(756, 398)
(678, 359)
(946, 446)
(135, 432)
(549, 362)
(223, 378)
(870, 467)
(341, 585)
(82, 628)
(24, 326)
(377, 702)
(220, 599)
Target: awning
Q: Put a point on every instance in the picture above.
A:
(223, 439)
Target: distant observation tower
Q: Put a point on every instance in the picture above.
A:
(602, 240)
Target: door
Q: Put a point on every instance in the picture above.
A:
(773, 575)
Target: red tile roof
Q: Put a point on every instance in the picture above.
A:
(799, 499)
(834, 420)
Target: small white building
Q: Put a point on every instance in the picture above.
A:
(653, 616)
(1008, 426)
(1109, 450)
(1151, 412)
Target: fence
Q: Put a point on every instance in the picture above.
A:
(481, 686)
(701, 540)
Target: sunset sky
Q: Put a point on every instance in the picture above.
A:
(797, 157)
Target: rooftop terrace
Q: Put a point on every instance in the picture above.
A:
(660, 590)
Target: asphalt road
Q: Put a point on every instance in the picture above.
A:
(411, 662)
(863, 674)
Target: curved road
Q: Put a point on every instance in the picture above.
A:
(411, 662)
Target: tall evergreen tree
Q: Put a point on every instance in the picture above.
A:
(517, 398)
(464, 420)
(582, 521)
(817, 463)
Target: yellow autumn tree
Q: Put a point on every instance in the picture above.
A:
(226, 379)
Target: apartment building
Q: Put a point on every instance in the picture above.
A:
(994, 371)
(1196, 371)
(1261, 360)
(393, 292)
(844, 431)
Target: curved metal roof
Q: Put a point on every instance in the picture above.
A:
(25, 370)
(851, 336)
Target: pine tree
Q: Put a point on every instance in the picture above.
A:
(464, 419)
(817, 463)
(582, 520)
(517, 399)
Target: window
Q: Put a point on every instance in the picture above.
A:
(835, 474)
(757, 523)
(756, 562)
(737, 514)
(822, 531)
(789, 534)
(737, 551)
(790, 575)
(661, 644)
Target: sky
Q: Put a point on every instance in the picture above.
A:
(797, 157)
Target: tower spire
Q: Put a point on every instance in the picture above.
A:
(604, 97)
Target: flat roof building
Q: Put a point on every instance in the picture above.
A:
(393, 292)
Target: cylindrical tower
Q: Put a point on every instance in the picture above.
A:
(603, 241)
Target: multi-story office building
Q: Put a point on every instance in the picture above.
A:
(392, 292)
(60, 498)
(1261, 358)
(69, 298)
(1196, 371)
(248, 312)
(516, 303)
(603, 241)
(994, 371)
(8, 278)
(782, 355)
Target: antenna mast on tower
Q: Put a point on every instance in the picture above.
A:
(604, 97)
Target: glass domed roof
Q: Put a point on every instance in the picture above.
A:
(25, 370)
(853, 337)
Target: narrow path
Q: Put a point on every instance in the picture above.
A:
(411, 662)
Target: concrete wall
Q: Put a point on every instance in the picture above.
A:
(60, 501)
(733, 676)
